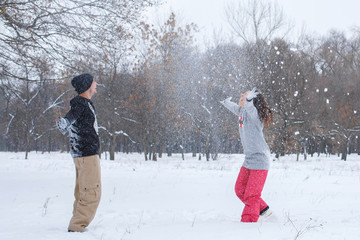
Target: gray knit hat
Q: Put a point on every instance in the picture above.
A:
(82, 82)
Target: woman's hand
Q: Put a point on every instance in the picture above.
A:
(253, 94)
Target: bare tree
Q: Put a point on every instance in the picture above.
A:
(338, 65)
(112, 111)
(26, 110)
(255, 20)
(60, 29)
(63, 32)
(163, 69)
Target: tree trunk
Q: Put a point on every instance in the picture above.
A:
(27, 145)
(194, 145)
(344, 151)
(50, 143)
(112, 146)
(63, 144)
(161, 148)
(194, 148)
(279, 149)
(145, 146)
(168, 149)
(343, 156)
(182, 149)
(145, 153)
(126, 145)
(207, 151)
(207, 156)
(153, 150)
(305, 151)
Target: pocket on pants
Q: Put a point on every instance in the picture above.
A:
(90, 195)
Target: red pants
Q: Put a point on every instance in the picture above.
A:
(248, 188)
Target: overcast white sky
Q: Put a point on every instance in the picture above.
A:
(316, 15)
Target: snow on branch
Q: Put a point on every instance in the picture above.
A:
(105, 129)
(116, 133)
(19, 97)
(125, 134)
(55, 103)
(38, 137)
(33, 97)
(204, 107)
(25, 101)
(339, 133)
(8, 126)
(128, 119)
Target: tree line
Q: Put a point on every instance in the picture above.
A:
(159, 93)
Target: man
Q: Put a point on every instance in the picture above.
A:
(81, 124)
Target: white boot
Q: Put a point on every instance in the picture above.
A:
(264, 215)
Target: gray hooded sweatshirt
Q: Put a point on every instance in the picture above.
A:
(256, 150)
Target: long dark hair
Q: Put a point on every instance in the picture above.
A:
(264, 111)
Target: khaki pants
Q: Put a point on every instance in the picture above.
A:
(87, 192)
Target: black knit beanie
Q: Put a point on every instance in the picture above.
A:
(82, 82)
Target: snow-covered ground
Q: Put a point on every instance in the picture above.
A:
(173, 199)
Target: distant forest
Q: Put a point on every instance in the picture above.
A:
(159, 92)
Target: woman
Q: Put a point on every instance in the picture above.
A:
(253, 116)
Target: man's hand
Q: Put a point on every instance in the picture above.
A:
(62, 124)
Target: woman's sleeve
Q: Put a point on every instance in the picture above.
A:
(233, 107)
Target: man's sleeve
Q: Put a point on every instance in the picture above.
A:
(74, 113)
